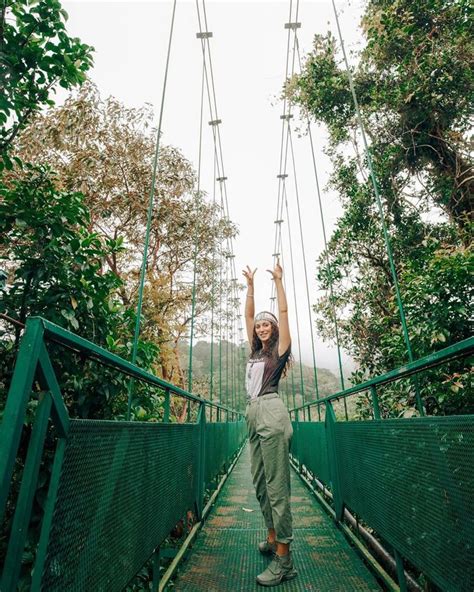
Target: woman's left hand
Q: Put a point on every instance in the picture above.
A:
(277, 273)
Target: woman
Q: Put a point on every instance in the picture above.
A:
(269, 427)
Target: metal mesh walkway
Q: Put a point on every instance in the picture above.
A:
(225, 556)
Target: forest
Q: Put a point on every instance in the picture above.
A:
(74, 183)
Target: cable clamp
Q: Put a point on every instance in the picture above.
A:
(279, 221)
(292, 26)
(204, 35)
(221, 179)
(284, 176)
(215, 122)
(287, 116)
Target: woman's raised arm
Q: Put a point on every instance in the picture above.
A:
(249, 302)
(284, 327)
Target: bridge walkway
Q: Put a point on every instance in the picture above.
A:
(225, 556)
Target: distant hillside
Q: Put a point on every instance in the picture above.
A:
(233, 360)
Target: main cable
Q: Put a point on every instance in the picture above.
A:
(218, 151)
(305, 267)
(149, 215)
(196, 236)
(388, 245)
(323, 227)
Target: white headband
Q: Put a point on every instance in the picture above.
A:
(266, 316)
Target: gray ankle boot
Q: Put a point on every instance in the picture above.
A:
(279, 570)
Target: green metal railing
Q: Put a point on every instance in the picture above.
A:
(410, 480)
(117, 488)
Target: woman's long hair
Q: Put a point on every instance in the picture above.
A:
(271, 350)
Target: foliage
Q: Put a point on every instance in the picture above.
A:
(413, 82)
(36, 54)
(105, 150)
(57, 270)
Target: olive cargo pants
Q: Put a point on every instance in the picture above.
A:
(270, 433)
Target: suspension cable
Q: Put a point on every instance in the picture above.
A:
(278, 220)
(196, 240)
(283, 202)
(388, 244)
(376, 190)
(292, 265)
(213, 296)
(323, 227)
(310, 319)
(149, 214)
(218, 151)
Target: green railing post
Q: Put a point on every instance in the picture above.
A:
(188, 415)
(24, 502)
(402, 582)
(375, 402)
(17, 400)
(48, 516)
(48, 381)
(156, 569)
(166, 406)
(202, 459)
(333, 461)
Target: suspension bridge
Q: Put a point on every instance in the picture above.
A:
(379, 504)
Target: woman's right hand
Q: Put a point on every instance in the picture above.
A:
(248, 273)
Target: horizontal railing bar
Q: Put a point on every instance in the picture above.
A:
(451, 352)
(66, 338)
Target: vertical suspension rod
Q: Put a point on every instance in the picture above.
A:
(376, 191)
(315, 372)
(196, 234)
(323, 227)
(149, 215)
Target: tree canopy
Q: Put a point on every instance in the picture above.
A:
(105, 151)
(36, 54)
(414, 84)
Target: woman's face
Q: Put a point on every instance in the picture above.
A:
(263, 329)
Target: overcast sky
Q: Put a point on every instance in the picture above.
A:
(248, 52)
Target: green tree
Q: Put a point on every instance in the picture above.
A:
(105, 150)
(414, 84)
(36, 54)
(57, 269)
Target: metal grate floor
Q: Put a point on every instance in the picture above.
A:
(225, 556)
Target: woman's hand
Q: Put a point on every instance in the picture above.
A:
(248, 273)
(277, 273)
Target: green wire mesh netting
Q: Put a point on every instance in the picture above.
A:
(309, 446)
(222, 440)
(412, 480)
(123, 487)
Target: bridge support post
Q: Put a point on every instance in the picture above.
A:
(156, 568)
(375, 402)
(333, 461)
(202, 458)
(402, 582)
(166, 407)
(17, 401)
